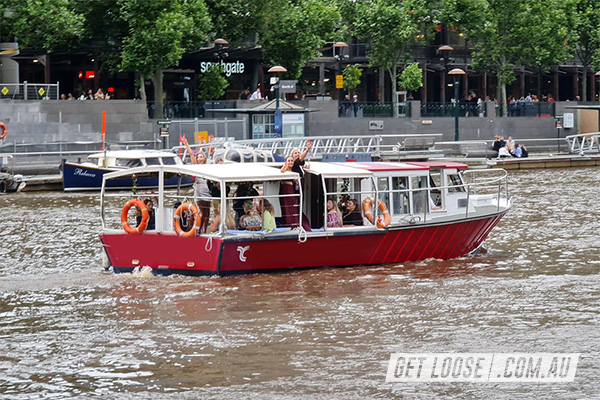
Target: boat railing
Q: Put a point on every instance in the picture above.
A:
(482, 184)
(584, 142)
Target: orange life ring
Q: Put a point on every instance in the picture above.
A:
(4, 131)
(387, 219)
(145, 216)
(197, 220)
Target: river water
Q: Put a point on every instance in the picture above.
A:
(70, 330)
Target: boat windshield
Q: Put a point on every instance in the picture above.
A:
(169, 160)
(129, 163)
(152, 161)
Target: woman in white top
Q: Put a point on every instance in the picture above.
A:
(201, 190)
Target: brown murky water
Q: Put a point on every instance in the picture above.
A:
(70, 330)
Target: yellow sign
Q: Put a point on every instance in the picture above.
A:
(5, 90)
(41, 91)
(201, 136)
(339, 81)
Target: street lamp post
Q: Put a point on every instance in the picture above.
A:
(456, 73)
(339, 57)
(277, 127)
(444, 52)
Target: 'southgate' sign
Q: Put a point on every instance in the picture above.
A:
(229, 68)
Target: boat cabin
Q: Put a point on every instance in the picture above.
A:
(410, 193)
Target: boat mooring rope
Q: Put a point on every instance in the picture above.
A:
(301, 235)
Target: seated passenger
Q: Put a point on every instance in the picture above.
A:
(229, 220)
(151, 220)
(268, 214)
(250, 221)
(503, 152)
(244, 189)
(334, 216)
(353, 216)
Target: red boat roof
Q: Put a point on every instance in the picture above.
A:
(388, 166)
(440, 164)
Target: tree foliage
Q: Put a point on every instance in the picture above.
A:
(212, 84)
(234, 20)
(294, 30)
(390, 27)
(587, 46)
(159, 33)
(47, 24)
(505, 34)
(352, 74)
(411, 78)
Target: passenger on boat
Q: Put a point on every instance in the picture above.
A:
(334, 216)
(229, 220)
(250, 221)
(151, 213)
(299, 161)
(353, 216)
(201, 189)
(244, 189)
(268, 215)
(290, 207)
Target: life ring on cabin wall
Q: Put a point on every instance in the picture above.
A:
(387, 218)
(4, 130)
(197, 220)
(145, 216)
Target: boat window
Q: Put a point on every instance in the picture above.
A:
(152, 161)
(384, 187)
(400, 199)
(435, 181)
(129, 163)
(455, 184)
(419, 194)
(168, 160)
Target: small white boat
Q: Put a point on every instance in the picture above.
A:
(88, 175)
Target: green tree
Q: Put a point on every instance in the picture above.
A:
(235, 20)
(151, 35)
(587, 46)
(294, 30)
(352, 74)
(510, 33)
(390, 27)
(411, 78)
(47, 24)
(212, 84)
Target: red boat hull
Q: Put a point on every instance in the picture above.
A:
(167, 253)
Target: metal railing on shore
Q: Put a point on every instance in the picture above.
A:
(375, 145)
(29, 91)
(584, 142)
(447, 110)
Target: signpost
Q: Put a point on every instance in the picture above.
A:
(164, 131)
